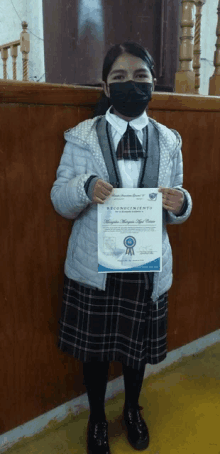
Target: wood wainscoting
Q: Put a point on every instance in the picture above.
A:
(36, 376)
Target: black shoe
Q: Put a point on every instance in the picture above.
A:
(138, 435)
(97, 437)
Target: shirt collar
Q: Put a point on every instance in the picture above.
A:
(121, 125)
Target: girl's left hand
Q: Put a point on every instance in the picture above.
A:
(172, 199)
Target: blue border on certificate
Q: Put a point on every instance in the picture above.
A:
(150, 266)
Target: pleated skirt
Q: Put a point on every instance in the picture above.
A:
(121, 323)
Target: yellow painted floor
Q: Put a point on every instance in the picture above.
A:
(181, 408)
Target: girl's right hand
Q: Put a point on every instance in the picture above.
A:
(101, 191)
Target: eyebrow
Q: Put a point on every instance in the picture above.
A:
(123, 71)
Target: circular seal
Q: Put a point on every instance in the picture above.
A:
(129, 241)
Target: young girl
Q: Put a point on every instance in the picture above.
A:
(117, 316)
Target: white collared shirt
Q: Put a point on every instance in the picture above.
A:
(129, 169)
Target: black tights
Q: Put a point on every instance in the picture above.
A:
(95, 380)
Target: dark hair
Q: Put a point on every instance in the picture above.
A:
(130, 47)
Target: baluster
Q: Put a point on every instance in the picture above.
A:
(4, 55)
(214, 81)
(25, 49)
(197, 48)
(14, 54)
(185, 77)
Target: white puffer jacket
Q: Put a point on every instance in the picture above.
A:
(81, 158)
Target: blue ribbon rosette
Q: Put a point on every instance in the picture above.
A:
(129, 243)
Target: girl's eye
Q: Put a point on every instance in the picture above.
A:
(140, 75)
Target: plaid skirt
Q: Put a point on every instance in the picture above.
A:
(121, 323)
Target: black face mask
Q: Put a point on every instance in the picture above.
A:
(130, 98)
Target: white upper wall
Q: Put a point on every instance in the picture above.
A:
(12, 13)
(208, 41)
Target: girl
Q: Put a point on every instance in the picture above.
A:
(117, 316)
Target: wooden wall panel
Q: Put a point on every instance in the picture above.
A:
(195, 293)
(79, 36)
(36, 376)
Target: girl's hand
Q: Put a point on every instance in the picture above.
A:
(172, 199)
(102, 190)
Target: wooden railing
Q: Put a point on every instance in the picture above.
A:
(24, 43)
(187, 79)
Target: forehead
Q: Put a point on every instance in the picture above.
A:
(126, 61)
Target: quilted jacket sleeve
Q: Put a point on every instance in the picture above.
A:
(89, 186)
(177, 182)
(68, 194)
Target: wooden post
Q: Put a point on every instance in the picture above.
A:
(214, 81)
(185, 77)
(4, 55)
(25, 49)
(14, 54)
(197, 48)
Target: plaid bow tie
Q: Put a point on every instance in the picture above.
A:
(129, 146)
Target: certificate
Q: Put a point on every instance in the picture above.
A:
(130, 231)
